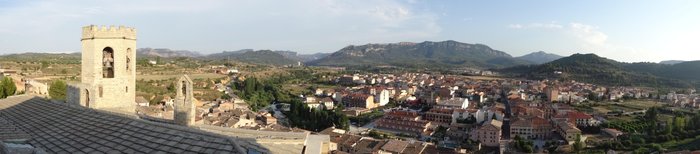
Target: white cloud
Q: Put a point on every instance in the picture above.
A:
(589, 35)
(551, 25)
(515, 26)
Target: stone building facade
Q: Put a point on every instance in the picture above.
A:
(108, 69)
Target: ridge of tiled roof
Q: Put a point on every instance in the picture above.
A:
(62, 128)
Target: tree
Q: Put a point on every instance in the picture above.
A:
(44, 64)
(225, 96)
(651, 115)
(171, 87)
(375, 134)
(57, 90)
(551, 146)
(578, 146)
(657, 147)
(8, 87)
(2, 90)
(678, 123)
(523, 145)
(641, 150)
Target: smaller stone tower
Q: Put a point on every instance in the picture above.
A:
(184, 105)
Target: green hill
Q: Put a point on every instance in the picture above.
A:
(594, 69)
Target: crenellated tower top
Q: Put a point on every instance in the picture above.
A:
(108, 32)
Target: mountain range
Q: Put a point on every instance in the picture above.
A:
(302, 57)
(166, 53)
(254, 56)
(445, 54)
(540, 57)
(245, 55)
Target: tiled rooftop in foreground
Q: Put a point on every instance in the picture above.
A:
(60, 128)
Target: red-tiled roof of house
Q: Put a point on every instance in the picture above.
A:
(326, 99)
(367, 145)
(360, 96)
(440, 110)
(403, 114)
(395, 146)
(578, 115)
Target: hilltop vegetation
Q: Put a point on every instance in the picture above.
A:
(56, 58)
(594, 69)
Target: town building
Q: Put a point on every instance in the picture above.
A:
(531, 128)
(407, 121)
(439, 116)
(552, 93)
(453, 103)
(488, 134)
(567, 131)
(359, 100)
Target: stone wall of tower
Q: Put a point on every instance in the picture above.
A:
(115, 93)
(184, 105)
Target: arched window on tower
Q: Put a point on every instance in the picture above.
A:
(128, 60)
(184, 88)
(107, 63)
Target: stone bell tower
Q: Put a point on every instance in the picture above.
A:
(108, 68)
(184, 106)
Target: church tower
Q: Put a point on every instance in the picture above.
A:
(108, 68)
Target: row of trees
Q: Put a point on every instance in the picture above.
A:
(523, 145)
(300, 115)
(256, 94)
(646, 132)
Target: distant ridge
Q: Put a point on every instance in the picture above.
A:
(166, 53)
(599, 70)
(540, 57)
(671, 62)
(258, 57)
(302, 57)
(445, 54)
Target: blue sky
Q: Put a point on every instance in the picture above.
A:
(624, 30)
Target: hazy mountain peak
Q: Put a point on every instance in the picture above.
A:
(671, 62)
(425, 54)
(165, 52)
(540, 57)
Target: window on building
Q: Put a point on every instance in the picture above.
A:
(184, 88)
(107, 62)
(128, 59)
